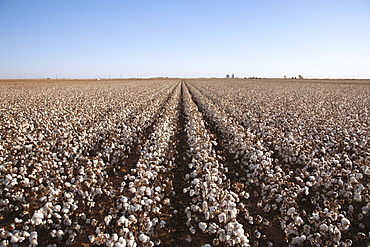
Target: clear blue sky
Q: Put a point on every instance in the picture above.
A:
(208, 38)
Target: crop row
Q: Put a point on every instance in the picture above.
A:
(312, 166)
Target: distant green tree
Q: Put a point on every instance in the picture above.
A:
(300, 77)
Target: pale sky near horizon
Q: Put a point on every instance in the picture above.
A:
(204, 38)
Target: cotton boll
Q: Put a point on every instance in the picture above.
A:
(298, 220)
(324, 227)
(166, 201)
(14, 239)
(37, 218)
(33, 239)
(222, 217)
(67, 222)
(298, 240)
(144, 238)
(291, 212)
(122, 242)
(107, 219)
(202, 226)
(345, 223)
(59, 233)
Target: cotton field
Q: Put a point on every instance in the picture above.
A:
(171, 162)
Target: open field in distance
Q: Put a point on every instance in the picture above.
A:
(176, 162)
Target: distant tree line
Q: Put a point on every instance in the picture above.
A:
(300, 77)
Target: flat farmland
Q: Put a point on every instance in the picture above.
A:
(173, 162)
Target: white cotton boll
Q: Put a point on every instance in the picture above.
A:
(315, 215)
(132, 218)
(324, 227)
(26, 234)
(299, 240)
(206, 215)
(166, 201)
(107, 219)
(202, 226)
(357, 197)
(57, 208)
(14, 239)
(33, 238)
(53, 233)
(37, 217)
(257, 233)
(222, 217)
(298, 220)
(233, 213)
(365, 209)
(60, 233)
(291, 211)
(345, 223)
(212, 209)
(366, 170)
(17, 221)
(124, 199)
(144, 238)
(279, 198)
(246, 195)
(306, 190)
(122, 241)
(123, 221)
(353, 180)
(67, 222)
(34, 242)
(195, 181)
(91, 238)
(204, 206)
(65, 210)
(4, 243)
(132, 190)
(109, 243)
